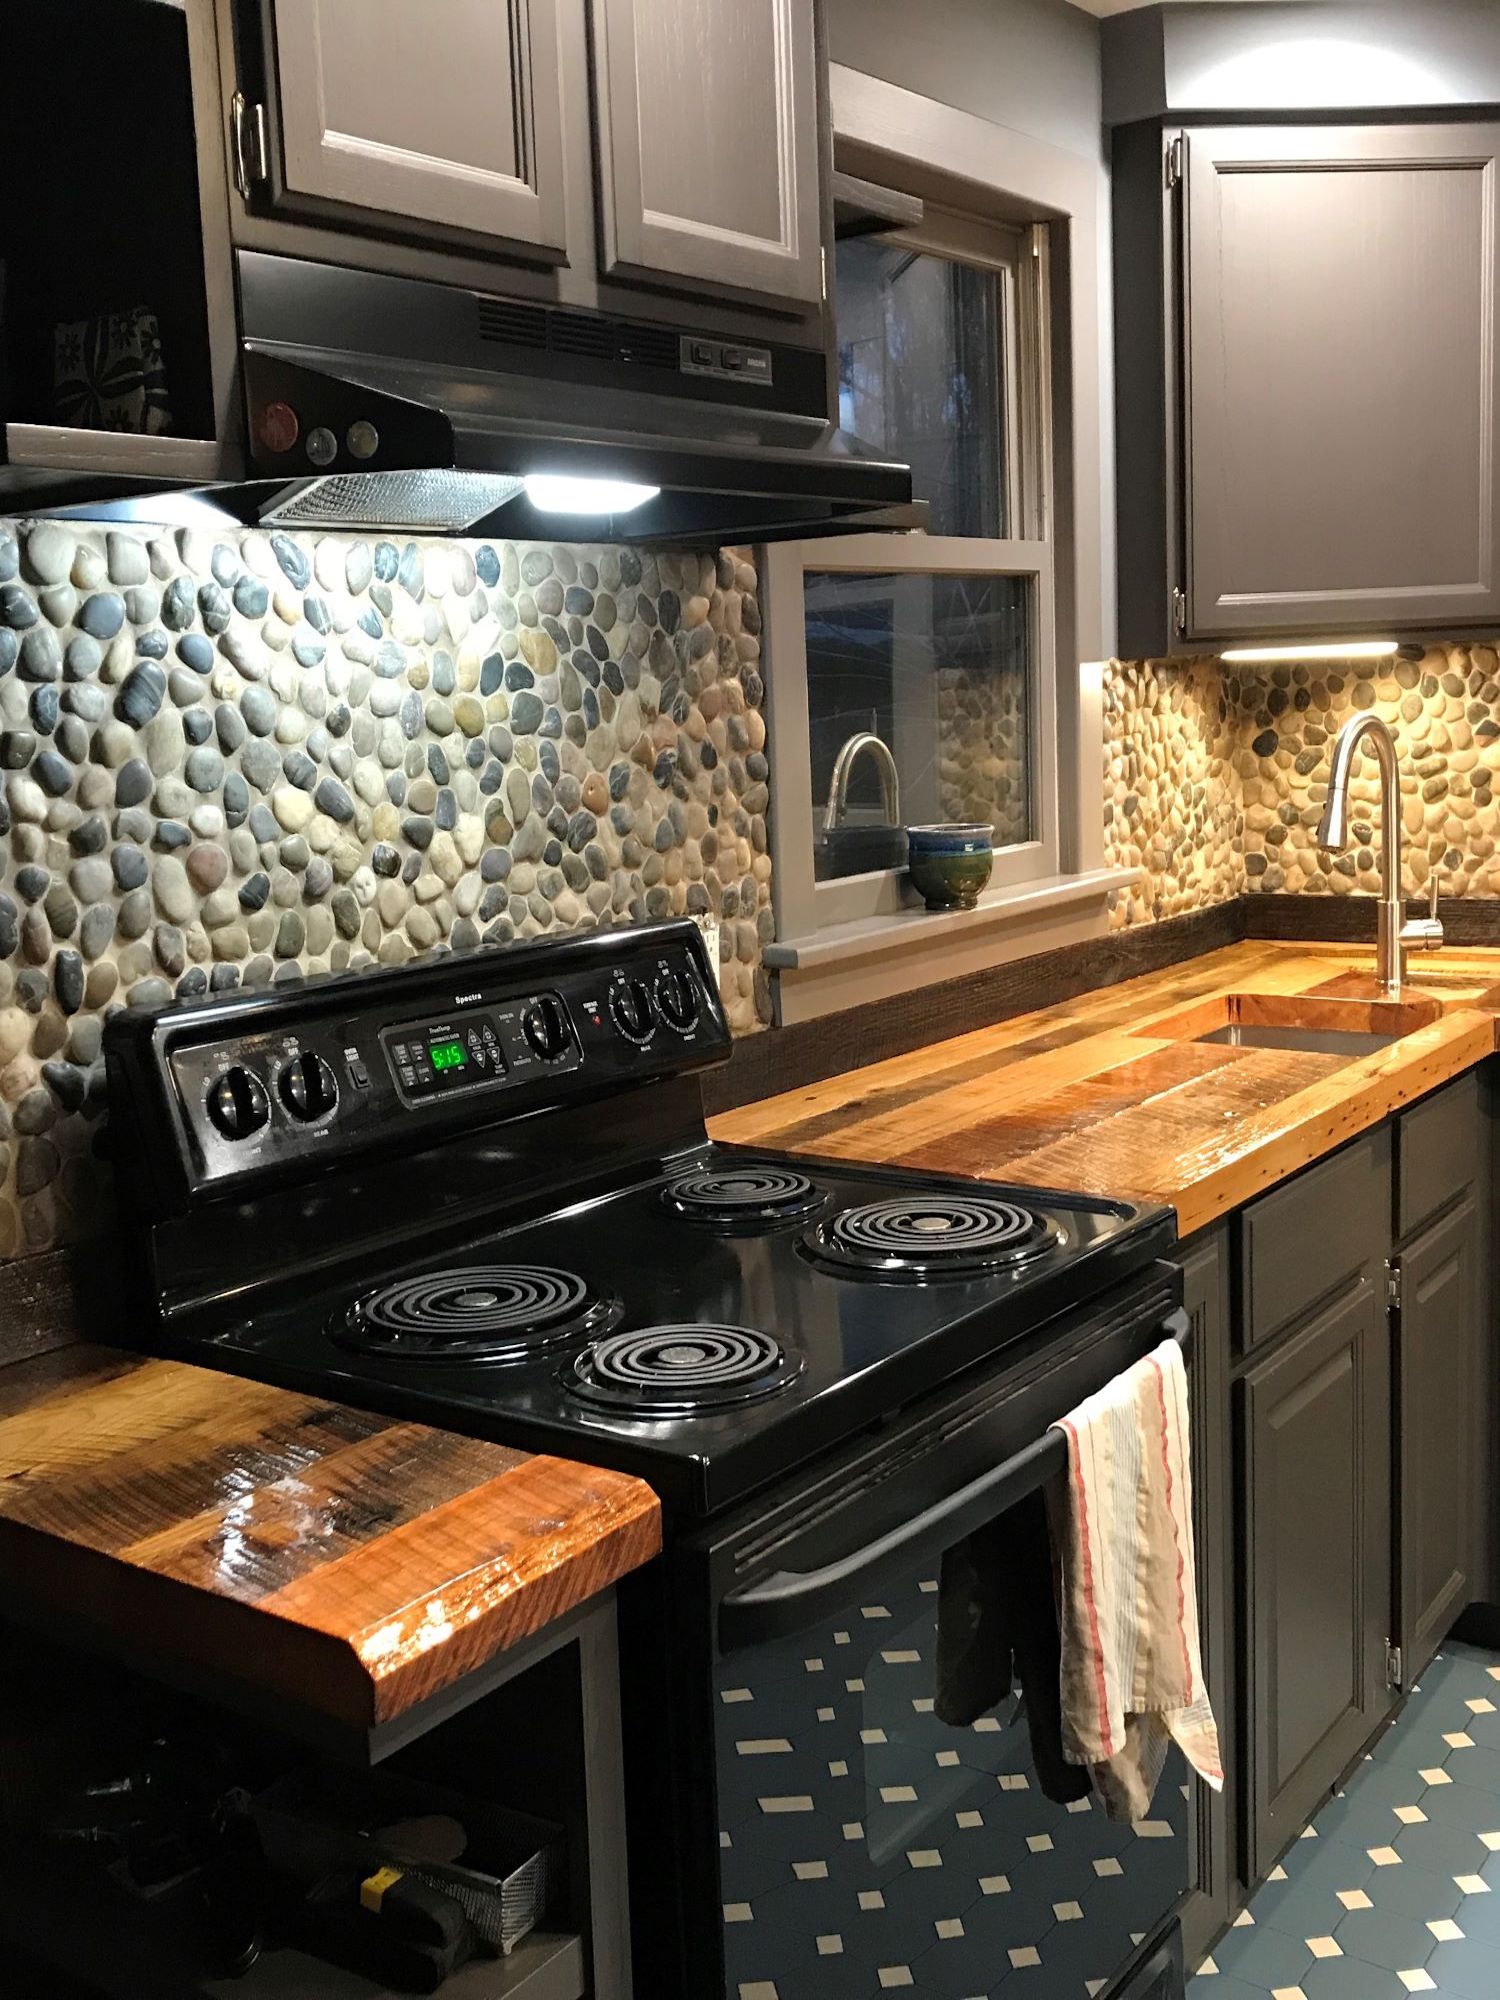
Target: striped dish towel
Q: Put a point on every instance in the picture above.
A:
(1122, 1526)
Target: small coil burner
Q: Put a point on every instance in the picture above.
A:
(680, 1371)
(932, 1236)
(756, 1196)
(484, 1312)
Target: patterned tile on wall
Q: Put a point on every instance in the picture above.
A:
(1215, 776)
(231, 758)
(1395, 1887)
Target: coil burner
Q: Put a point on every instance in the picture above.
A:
(482, 1312)
(743, 1199)
(933, 1236)
(680, 1371)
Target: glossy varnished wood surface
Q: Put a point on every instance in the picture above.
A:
(339, 1560)
(1108, 1092)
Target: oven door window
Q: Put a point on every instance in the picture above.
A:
(866, 1845)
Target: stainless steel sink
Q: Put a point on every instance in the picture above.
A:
(1312, 1041)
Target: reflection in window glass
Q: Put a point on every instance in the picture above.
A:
(920, 375)
(939, 668)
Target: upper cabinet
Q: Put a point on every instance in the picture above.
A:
(447, 113)
(602, 150)
(731, 192)
(1307, 366)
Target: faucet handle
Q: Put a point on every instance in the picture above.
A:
(1425, 933)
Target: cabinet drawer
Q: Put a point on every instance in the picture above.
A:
(1299, 1240)
(1438, 1152)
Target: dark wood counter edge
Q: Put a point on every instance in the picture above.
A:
(812, 1051)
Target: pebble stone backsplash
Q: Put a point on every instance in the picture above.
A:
(1215, 777)
(230, 758)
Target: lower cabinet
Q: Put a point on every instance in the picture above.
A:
(1315, 1445)
(1346, 1372)
(1205, 1296)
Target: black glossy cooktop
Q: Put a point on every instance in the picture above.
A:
(711, 1324)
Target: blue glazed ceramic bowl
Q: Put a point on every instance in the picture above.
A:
(949, 865)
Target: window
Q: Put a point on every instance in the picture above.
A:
(922, 356)
(938, 644)
(939, 667)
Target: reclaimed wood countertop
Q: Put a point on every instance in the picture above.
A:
(1112, 1093)
(337, 1561)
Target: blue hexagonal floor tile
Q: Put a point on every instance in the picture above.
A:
(1414, 1906)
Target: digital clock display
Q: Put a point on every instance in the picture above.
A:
(447, 1055)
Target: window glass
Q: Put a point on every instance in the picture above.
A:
(939, 668)
(921, 375)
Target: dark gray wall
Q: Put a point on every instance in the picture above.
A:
(1030, 64)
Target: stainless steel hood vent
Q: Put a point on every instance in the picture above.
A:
(379, 401)
(417, 501)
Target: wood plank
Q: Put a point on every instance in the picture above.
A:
(346, 1560)
(1109, 1093)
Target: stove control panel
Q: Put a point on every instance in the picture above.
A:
(481, 1048)
(285, 1078)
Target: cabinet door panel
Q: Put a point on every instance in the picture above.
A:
(710, 146)
(1205, 1296)
(1437, 1357)
(1341, 431)
(1316, 1574)
(477, 148)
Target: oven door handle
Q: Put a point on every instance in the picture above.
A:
(789, 1601)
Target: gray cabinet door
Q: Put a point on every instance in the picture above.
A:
(1205, 1295)
(430, 114)
(710, 143)
(1316, 1569)
(1438, 1356)
(1340, 378)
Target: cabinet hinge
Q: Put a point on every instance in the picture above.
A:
(1393, 1286)
(1395, 1668)
(1179, 611)
(251, 151)
(1174, 162)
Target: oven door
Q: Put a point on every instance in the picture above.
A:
(865, 1845)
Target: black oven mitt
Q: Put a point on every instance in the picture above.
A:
(997, 1624)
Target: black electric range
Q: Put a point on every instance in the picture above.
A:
(478, 1190)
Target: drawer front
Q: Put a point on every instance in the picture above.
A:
(1438, 1152)
(1301, 1239)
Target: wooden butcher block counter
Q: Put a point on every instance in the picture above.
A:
(240, 1535)
(1113, 1093)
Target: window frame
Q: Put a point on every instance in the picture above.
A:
(895, 137)
(803, 904)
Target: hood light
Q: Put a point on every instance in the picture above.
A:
(561, 493)
(1347, 649)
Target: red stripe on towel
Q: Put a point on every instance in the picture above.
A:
(1101, 1691)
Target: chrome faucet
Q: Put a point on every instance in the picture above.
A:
(1393, 936)
(838, 784)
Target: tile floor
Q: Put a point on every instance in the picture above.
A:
(1395, 1887)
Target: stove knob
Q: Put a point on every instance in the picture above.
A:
(237, 1104)
(677, 1000)
(631, 1009)
(307, 1087)
(545, 1026)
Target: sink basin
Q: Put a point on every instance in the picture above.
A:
(1312, 1024)
(1317, 1041)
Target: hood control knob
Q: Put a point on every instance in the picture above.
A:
(631, 1009)
(307, 1087)
(545, 1026)
(676, 1000)
(237, 1103)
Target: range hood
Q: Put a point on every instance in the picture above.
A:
(375, 401)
